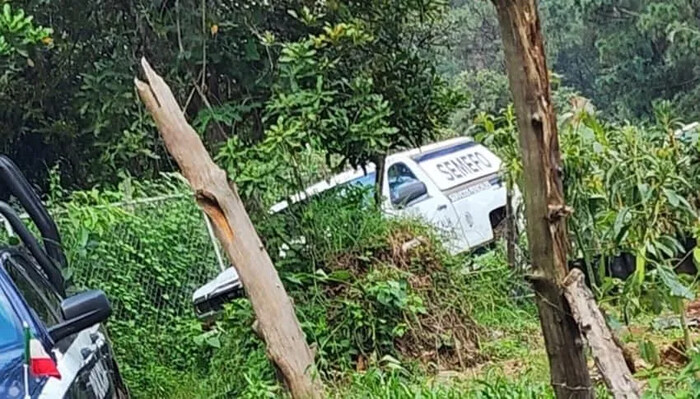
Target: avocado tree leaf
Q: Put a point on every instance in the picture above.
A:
(670, 280)
(696, 256)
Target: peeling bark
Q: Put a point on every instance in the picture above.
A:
(545, 209)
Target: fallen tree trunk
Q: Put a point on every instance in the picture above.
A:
(278, 324)
(607, 354)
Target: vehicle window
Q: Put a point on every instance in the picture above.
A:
(40, 297)
(363, 181)
(363, 185)
(398, 176)
(10, 331)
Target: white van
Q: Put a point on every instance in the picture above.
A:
(454, 185)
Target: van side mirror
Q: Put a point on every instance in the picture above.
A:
(409, 191)
(81, 311)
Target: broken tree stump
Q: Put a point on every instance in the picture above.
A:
(278, 325)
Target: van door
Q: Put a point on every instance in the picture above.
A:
(409, 192)
(467, 174)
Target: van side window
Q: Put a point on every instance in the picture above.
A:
(404, 186)
(40, 297)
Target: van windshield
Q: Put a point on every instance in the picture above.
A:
(364, 182)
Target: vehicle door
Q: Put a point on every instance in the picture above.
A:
(468, 175)
(410, 192)
(83, 359)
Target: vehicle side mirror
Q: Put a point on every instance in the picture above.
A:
(409, 191)
(80, 312)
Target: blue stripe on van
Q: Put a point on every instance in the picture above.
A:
(444, 151)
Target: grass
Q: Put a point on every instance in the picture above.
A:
(516, 366)
(390, 384)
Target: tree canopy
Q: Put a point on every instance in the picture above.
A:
(377, 75)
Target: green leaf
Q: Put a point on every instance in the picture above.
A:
(214, 341)
(673, 198)
(640, 266)
(670, 280)
(696, 256)
(7, 12)
(619, 224)
(340, 276)
(251, 51)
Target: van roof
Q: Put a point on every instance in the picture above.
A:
(344, 177)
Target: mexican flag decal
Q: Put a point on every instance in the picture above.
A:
(39, 363)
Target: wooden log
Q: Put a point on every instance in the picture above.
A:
(608, 356)
(545, 208)
(278, 324)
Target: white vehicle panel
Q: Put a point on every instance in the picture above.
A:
(459, 164)
(435, 209)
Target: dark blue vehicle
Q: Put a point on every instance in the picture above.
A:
(33, 292)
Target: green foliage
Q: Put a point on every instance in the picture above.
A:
(361, 298)
(625, 55)
(625, 179)
(621, 179)
(395, 384)
(318, 103)
(148, 259)
(353, 90)
(645, 53)
(500, 134)
(487, 90)
(356, 76)
(18, 33)
(75, 104)
(680, 385)
(358, 296)
(238, 366)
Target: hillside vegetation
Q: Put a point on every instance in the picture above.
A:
(286, 93)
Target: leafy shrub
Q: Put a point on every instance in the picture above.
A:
(631, 187)
(238, 366)
(18, 34)
(359, 295)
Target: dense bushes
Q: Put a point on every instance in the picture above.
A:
(361, 295)
(362, 299)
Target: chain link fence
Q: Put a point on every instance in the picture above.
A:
(149, 255)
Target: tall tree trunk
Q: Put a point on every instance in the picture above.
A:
(544, 198)
(277, 322)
